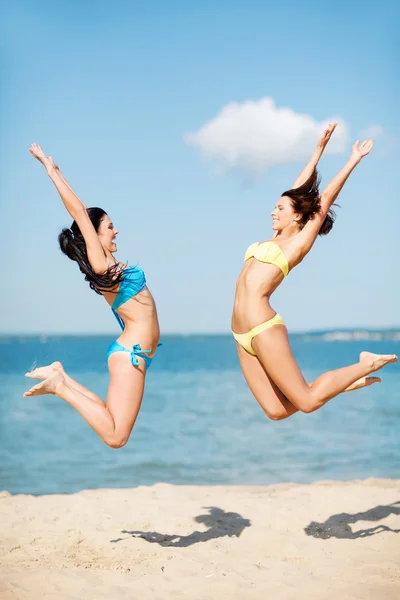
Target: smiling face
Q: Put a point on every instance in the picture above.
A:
(283, 214)
(107, 233)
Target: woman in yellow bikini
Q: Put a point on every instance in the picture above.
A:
(265, 356)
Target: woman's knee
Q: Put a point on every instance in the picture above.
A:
(308, 408)
(117, 440)
(276, 413)
(305, 403)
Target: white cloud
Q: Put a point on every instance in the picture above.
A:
(255, 135)
(372, 131)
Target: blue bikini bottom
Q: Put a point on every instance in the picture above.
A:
(136, 352)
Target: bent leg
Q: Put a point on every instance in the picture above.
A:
(275, 405)
(43, 373)
(274, 352)
(112, 421)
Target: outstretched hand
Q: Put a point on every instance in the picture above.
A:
(360, 150)
(326, 136)
(38, 153)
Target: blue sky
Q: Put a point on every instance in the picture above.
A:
(110, 89)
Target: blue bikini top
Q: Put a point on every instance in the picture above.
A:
(133, 281)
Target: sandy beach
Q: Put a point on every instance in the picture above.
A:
(323, 541)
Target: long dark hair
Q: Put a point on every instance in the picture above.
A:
(306, 201)
(73, 245)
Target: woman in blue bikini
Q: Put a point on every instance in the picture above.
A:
(91, 243)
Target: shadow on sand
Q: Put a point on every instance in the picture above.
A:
(218, 522)
(338, 526)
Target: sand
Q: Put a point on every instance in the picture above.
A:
(324, 541)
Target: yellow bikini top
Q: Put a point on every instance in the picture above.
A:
(268, 252)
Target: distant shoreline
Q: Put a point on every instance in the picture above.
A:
(346, 335)
(340, 334)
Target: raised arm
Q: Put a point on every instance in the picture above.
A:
(76, 209)
(333, 189)
(310, 231)
(71, 200)
(314, 160)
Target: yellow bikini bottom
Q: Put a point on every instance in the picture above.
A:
(245, 339)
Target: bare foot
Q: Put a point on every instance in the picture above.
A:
(48, 386)
(46, 372)
(377, 361)
(363, 382)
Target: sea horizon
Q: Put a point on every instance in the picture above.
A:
(328, 334)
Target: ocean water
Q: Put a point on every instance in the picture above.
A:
(199, 424)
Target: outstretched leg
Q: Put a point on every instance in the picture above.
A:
(273, 402)
(362, 383)
(275, 355)
(114, 420)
